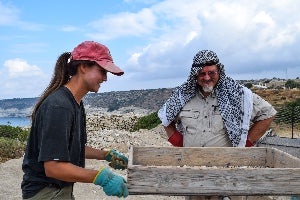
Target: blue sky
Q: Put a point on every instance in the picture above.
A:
(153, 41)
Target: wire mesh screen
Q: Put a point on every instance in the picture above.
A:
(287, 120)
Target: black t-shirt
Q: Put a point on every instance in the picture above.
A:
(58, 132)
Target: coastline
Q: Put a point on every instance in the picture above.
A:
(15, 121)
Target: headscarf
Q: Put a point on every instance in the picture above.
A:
(234, 100)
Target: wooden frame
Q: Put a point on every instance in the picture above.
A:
(212, 171)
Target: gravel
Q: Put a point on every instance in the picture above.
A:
(11, 172)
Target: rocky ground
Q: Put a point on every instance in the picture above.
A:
(11, 173)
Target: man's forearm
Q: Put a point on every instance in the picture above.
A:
(258, 129)
(170, 129)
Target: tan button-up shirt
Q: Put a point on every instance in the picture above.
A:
(203, 125)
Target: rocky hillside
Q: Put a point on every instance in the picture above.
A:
(150, 99)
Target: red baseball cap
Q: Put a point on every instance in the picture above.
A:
(94, 51)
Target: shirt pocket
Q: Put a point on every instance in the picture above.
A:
(189, 120)
(217, 123)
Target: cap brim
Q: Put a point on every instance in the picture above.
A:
(110, 67)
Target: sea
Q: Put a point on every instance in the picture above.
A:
(15, 121)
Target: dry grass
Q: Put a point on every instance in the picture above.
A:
(278, 98)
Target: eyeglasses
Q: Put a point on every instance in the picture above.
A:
(209, 73)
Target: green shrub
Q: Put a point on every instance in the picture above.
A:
(10, 148)
(289, 114)
(147, 122)
(249, 85)
(13, 132)
(23, 135)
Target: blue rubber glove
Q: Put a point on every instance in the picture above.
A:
(116, 159)
(112, 184)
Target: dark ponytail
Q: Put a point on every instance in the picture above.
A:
(60, 77)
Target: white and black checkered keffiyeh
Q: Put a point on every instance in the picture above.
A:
(234, 100)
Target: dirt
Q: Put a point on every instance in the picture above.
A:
(11, 172)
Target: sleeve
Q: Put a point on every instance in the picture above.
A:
(261, 109)
(55, 130)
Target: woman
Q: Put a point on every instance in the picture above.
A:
(56, 150)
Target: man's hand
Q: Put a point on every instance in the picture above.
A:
(176, 139)
(116, 159)
(249, 143)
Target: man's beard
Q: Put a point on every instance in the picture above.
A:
(208, 88)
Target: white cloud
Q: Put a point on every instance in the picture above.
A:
(20, 68)
(9, 16)
(123, 24)
(286, 36)
(141, 1)
(264, 19)
(250, 30)
(20, 79)
(69, 28)
(133, 60)
(190, 37)
(18, 48)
